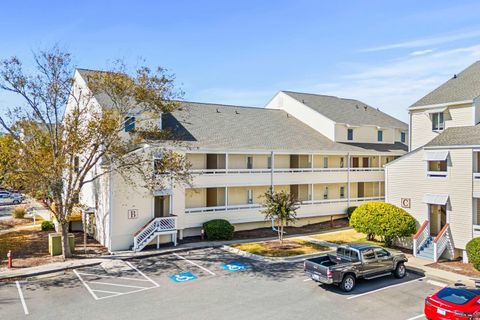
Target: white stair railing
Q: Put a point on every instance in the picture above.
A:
(155, 227)
(421, 236)
(442, 242)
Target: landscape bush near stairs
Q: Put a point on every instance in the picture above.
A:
(218, 229)
(384, 220)
(473, 252)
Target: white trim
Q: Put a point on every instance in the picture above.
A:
(446, 104)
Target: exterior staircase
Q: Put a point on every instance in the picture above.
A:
(154, 229)
(426, 251)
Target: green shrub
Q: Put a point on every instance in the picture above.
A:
(350, 211)
(19, 212)
(384, 220)
(47, 225)
(473, 252)
(218, 229)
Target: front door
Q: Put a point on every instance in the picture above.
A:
(355, 162)
(161, 206)
(438, 218)
(365, 162)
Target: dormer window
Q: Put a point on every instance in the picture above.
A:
(438, 122)
(349, 134)
(379, 135)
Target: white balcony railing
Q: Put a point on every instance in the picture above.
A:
(257, 205)
(476, 230)
(281, 170)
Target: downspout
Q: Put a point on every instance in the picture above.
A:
(410, 133)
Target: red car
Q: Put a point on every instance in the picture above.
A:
(457, 303)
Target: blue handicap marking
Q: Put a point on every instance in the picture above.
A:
(235, 266)
(183, 277)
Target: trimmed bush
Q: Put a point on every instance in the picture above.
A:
(384, 220)
(47, 225)
(350, 211)
(218, 229)
(473, 252)
(19, 212)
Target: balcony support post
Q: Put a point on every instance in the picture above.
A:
(226, 198)
(348, 180)
(226, 162)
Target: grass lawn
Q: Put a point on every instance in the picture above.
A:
(343, 237)
(290, 247)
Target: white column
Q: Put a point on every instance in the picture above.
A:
(348, 179)
(226, 198)
(273, 170)
(311, 162)
(312, 193)
(226, 162)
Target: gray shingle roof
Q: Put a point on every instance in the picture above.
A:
(223, 127)
(465, 86)
(456, 136)
(348, 111)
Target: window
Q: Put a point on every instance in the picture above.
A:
(129, 123)
(379, 135)
(403, 137)
(382, 253)
(368, 254)
(249, 196)
(349, 134)
(342, 164)
(325, 162)
(249, 162)
(269, 162)
(342, 192)
(438, 121)
(437, 168)
(325, 193)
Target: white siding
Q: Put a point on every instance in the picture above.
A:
(406, 178)
(303, 113)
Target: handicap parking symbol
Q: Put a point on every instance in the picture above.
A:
(183, 277)
(235, 266)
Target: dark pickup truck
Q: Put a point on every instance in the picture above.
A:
(355, 261)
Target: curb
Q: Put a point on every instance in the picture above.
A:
(293, 259)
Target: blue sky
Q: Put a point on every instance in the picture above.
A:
(387, 54)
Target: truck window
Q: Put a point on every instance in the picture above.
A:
(368, 254)
(353, 256)
(382, 253)
(341, 252)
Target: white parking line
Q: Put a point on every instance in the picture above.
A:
(384, 288)
(117, 285)
(22, 299)
(85, 284)
(437, 283)
(195, 264)
(105, 276)
(417, 317)
(144, 275)
(307, 280)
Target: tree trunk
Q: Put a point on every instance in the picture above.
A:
(65, 245)
(281, 232)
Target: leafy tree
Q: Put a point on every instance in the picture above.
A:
(384, 220)
(280, 207)
(63, 139)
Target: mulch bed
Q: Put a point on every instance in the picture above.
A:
(30, 248)
(457, 266)
(277, 245)
(11, 223)
(267, 232)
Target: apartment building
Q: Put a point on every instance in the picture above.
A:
(329, 152)
(438, 180)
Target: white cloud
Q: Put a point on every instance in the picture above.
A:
(429, 41)
(421, 52)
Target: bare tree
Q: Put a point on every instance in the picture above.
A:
(67, 135)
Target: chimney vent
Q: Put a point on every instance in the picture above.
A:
(236, 112)
(454, 76)
(218, 111)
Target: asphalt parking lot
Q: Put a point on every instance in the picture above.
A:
(207, 284)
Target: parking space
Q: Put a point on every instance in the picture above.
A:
(201, 284)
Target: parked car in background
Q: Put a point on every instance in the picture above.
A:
(457, 303)
(7, 197)
(355, 261)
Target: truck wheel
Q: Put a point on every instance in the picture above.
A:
(400, 270)
(348, 283)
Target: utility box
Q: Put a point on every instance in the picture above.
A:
(55, 243)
